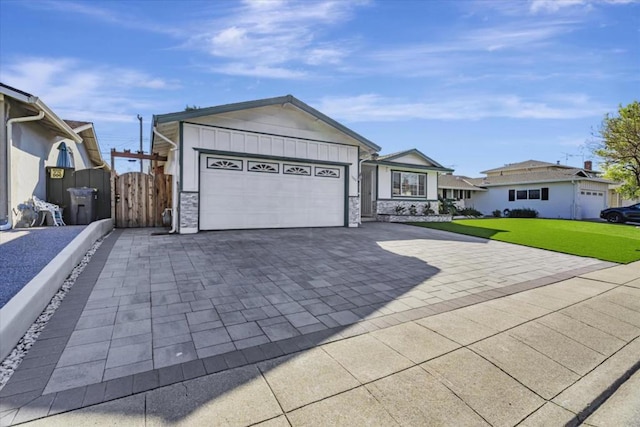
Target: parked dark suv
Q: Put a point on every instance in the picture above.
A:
(628, 213)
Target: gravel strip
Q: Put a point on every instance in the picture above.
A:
(13, 360)
(25, 252)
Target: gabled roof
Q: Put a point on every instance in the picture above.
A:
(90, 141)
(391, 159)
(280, 100)
(561, 175)
(457, 182)
(527, 164)
(32, 104)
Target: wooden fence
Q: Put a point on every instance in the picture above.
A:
(59, 183)
(140, 199)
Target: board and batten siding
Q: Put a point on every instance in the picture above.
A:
(243, 142)
(384, 181)
(285, 120)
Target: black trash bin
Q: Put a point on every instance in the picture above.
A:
(84, 205)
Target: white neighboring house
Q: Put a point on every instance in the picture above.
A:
(29, 137)
(459, 189)
(279, 163)
(554, 190)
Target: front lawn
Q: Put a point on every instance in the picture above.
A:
(608, 242)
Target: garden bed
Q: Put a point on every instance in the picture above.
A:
(414, 218)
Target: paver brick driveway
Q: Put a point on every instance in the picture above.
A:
(244, 296)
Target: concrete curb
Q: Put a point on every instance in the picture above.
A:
(24, 308)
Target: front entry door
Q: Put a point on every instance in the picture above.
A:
(365, 194)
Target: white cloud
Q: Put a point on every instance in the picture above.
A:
(373, 107)
(553, 6)
(262, 71)
(80, 91)
(278, 36)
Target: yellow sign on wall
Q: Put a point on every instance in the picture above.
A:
(56, 173)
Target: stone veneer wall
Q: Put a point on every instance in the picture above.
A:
(189, 210)
(388, 207)
(354, 211)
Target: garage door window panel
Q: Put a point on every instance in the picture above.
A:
(328, 172)
(229, 164)
(297, 170)
(266, 167)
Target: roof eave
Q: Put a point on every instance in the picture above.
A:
(280, 100)
(414, 151)
(59, 123)
(546, 181)
(408, 165)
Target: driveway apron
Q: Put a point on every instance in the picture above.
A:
(164, 308)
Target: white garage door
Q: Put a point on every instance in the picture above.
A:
(591, 203)
(238, 193)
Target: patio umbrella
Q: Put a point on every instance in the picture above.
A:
(63, 156)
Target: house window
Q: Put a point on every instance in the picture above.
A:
(409, 184)
(532, 194)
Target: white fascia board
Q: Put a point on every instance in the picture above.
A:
(58, 121)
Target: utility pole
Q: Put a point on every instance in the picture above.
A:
(141, 151)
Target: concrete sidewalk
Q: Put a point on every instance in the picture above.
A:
(546, 356)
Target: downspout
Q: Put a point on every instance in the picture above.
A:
(371, 156)
(9, 224)
(574, 208)
(174, 202)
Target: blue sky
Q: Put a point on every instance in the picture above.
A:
(472, 84)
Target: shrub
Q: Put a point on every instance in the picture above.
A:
(470, 212)
(523, 213)
(399, 210)
(497, 213)
(426, 210)
(447, 206)
(413, 210)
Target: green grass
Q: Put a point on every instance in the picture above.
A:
(608, 242)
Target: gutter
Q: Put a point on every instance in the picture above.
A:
(174, 202)
(9, 224)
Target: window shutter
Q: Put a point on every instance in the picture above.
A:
(512, 195)
(545, 193)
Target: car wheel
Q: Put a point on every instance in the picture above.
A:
(615, 217)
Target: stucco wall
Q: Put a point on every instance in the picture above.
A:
(79, 150)
(31, 146)
(561, 204)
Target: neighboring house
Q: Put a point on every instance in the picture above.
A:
(85, 155)
(616, 199)
(29, 139)
(400, 179)
(554, 190)
(459, 189)
(275, 163)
